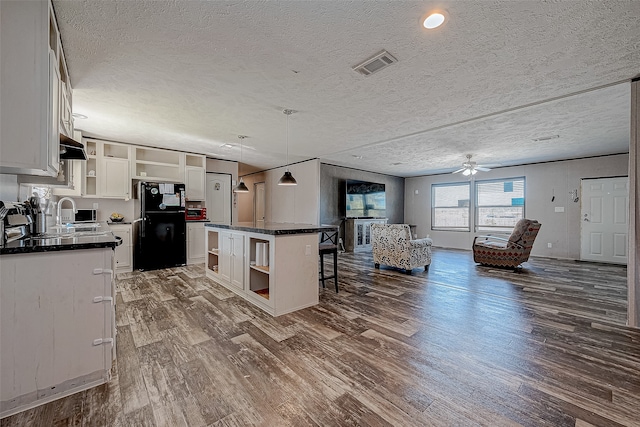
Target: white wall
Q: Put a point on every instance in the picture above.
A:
(299, 204)
(543, 180)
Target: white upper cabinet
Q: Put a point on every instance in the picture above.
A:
(107, 170)
(30, 89)
(194, 177)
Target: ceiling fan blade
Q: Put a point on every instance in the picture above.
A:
(482, 169)
(459, 170)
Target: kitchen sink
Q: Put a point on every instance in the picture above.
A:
(71, 227)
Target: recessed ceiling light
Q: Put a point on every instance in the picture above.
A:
(79, 116)
(226, 146)
(434, 20)
(356, 156)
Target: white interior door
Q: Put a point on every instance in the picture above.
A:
(604, 220)
(258, 212)
(219, 198)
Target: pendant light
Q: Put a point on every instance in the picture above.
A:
(241, 187)
(287, 178)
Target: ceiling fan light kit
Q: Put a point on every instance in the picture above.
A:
(470, 168)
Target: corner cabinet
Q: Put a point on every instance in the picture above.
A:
(358, 233)
(35, 98)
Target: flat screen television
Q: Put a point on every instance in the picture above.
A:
(365, 200)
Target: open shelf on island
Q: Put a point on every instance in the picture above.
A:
(264, 293)
(212, 251)
(259, 282)
(262, 268)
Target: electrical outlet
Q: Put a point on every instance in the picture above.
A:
(307, 250)
(95, 206)
(549, 245)
(559, 208)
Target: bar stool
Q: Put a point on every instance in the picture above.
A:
(329, 245)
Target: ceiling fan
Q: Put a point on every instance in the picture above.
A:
(471, 168)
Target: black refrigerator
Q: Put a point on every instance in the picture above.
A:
(160, 237)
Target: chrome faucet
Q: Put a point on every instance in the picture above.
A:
(73, 205)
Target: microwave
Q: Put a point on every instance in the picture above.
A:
(195, 214)
(86, 215)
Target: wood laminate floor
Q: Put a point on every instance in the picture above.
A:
(460, 345)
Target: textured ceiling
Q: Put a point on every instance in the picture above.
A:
(192, 75)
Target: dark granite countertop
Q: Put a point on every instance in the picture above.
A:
(276, 229)
(73, 237)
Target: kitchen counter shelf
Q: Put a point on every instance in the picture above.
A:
(260, 268)
(149, 162)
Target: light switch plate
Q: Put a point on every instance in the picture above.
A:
(559, 208)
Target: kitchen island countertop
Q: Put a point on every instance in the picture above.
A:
(68, 238)
(275, 229)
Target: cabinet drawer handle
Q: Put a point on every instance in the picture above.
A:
(100, 341)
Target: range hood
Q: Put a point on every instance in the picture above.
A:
(71, 150)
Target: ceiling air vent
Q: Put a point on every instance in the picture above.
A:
(375, 63)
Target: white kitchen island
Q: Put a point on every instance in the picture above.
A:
(289, 280)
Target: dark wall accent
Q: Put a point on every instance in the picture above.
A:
(332, 193)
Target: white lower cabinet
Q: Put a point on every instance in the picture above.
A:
(195, 243)
(231, 267)
(124, 252)
(57, 329)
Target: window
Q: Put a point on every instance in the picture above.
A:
(450, 206)
(499, 203)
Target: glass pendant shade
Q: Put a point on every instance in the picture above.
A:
(287, 178)
(241, 187)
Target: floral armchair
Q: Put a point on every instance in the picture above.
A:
(393, 246)
(511, 252)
